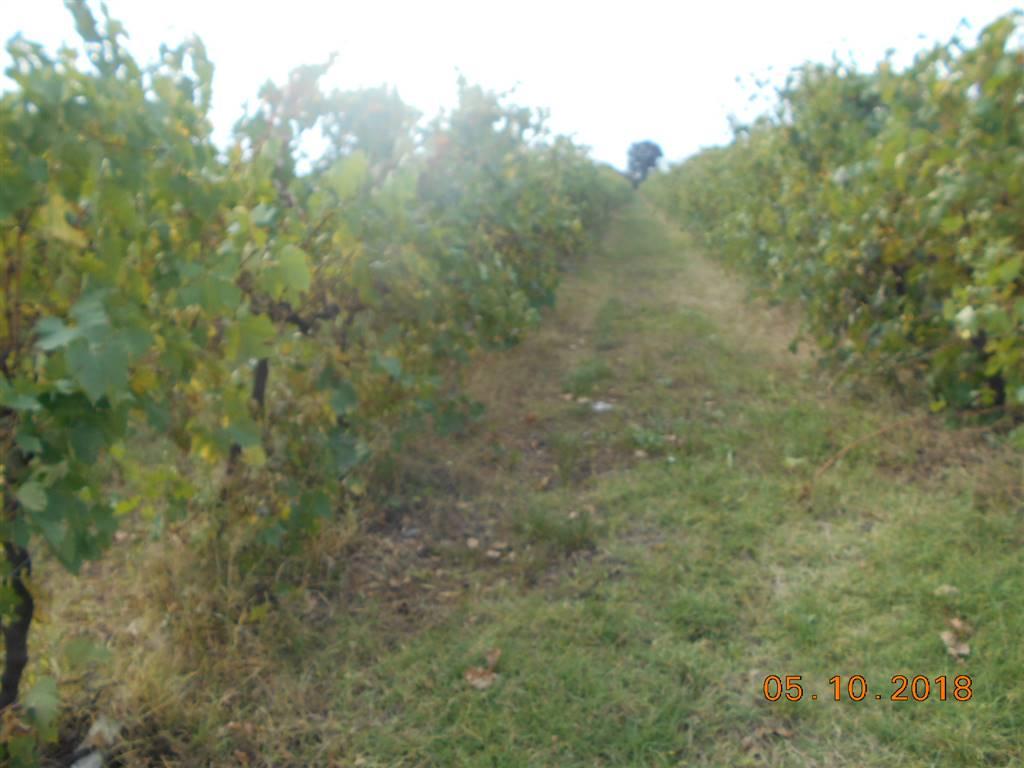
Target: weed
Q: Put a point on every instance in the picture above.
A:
(563, 531)
(610, 325)
(584, 378)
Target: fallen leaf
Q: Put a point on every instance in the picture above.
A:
(750, 744)
(493, 554)
(961, 627)
(544, 483)
(640, 454)
(955, 647)
(480, 678)
(472, 543)
(946, 590)
(103, 734)
(755, 741)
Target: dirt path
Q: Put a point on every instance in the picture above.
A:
(645, 568)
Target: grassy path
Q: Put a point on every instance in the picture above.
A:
(643, 569)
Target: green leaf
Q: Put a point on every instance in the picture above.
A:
(346, 450)
(81, 652)
(87, 441)
(42, 701)
(53, 334)
(158, 414)
(343, 398)
(97, 355)
(250, 337)
(89, 311)
(315, 504)
(1008, 271)
(996, 321)
(218, 295)
(951, 224)
(17, 401)
(85, 23)
(263, 215)
(28, 443)
(293, 264)
(32, 496)
(348, 175)
(100, 368)
(244, 432)
(390, 365)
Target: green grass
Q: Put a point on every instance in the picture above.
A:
(556, 531)
(650, 595)
(610, 325)
(585, 377)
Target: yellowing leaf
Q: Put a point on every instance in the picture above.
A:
(254, 456)
(55, 224)
(125, 506)
(250, 337)
(143, 379)
(258, 613)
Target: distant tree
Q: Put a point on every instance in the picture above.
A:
(643, 156)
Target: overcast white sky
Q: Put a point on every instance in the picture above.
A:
(610, 72)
